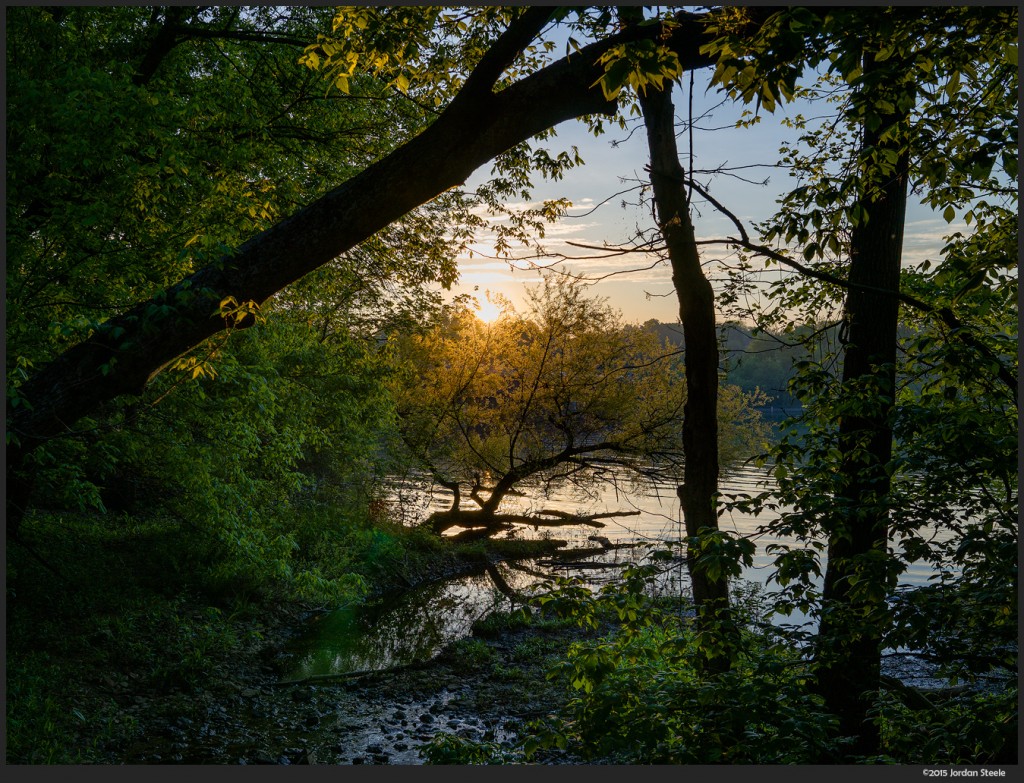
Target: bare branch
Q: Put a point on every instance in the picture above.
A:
(239, 35)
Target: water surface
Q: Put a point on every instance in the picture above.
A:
(417, 625)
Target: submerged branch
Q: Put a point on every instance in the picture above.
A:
(480, 524)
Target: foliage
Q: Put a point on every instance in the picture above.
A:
(445, 748)
(640, 694)
(285, 423)
(124, 178)
(472, 653)
(637, 64)
(497, 623)
(136, 619)
(39, 722)
(117, 189)
(412, 49)
(144, 143)
(426, 54)
(977, 729)
(953, 500)
(559, 392)
(127, 616)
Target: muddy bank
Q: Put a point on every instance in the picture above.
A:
(244, 712)
(478, 689)
(107, 665)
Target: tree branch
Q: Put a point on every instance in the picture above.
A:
(503, 52)
(164, 41)
(128, 350)
(944, 314)
(239, 35)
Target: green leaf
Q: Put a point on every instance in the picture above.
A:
(1010, 54)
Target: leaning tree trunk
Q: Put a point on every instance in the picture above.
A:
(128, 350)
(700, 414)
(854, 610)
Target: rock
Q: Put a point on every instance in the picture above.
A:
(250, 693)
(374, 749)
(358, 760)
(426, 717)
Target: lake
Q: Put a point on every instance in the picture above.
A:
(418, 624)
(659, 520)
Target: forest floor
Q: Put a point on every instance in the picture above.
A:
(110, 663)
(479, 689)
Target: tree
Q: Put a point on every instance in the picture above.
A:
(859, 534)
(225, 133)
(120, 354)
(697, 493)
(901, 453)
(905, 101)
(129, 249)
(563, 393)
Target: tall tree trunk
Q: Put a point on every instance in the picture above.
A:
(700, 339)
(855, 613)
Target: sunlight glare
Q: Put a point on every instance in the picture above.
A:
(487, 311)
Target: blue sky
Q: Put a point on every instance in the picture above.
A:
(616, 155)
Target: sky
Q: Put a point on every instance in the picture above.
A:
(615, 162)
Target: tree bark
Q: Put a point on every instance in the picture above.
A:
(130, 349)
(700, 341)
(854, 612)
(166, 38)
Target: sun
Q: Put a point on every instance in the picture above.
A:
(487, 311)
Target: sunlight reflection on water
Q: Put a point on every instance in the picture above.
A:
(418, 624)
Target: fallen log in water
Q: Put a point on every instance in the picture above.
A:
(478, 524)
(565, 518)
(578, 564)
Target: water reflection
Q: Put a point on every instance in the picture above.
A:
(417, 625)
(411, 627)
